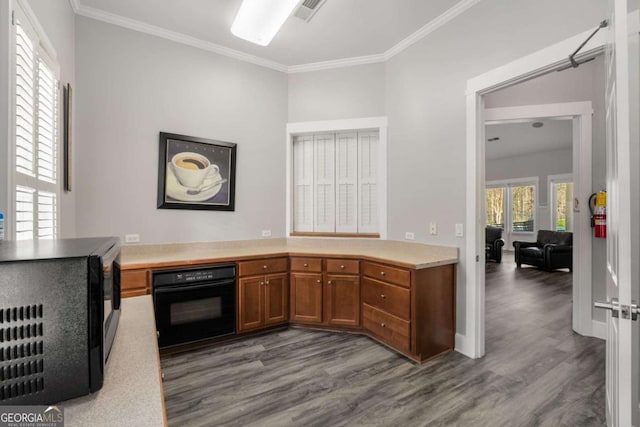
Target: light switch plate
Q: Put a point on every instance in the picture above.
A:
(409, 236)
(132, 238)
(433, 229)
(459, 230)
(266, 233)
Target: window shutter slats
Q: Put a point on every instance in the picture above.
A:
(347, 182)
(324, 183)
(36, 137)
(303, 183)
(368, 189)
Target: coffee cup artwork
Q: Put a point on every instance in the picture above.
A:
(196, 173)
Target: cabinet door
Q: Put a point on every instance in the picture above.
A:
(343, 300)
(250, 303)
(276, 299)
(306, 298)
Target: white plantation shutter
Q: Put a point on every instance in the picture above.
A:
(303, 183)
(347, 182)
(36, 135)
(324, 183)
(367, 182)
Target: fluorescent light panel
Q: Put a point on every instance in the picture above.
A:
(258, 21)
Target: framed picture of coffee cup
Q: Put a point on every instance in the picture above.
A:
(196, 173)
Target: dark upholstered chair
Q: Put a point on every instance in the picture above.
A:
(550, 251)
(493, 243)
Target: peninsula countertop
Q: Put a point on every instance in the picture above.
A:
(407, 254)
(132, 392)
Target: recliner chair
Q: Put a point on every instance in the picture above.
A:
(493, 243)
(550, 251)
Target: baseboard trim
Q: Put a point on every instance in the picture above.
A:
(599, 329)
(462, 345)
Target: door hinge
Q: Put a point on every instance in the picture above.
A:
(477, 258)
(13, 17)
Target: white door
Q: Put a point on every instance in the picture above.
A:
(622, 217)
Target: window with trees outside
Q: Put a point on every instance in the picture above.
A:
(561, 194)
(512, 205)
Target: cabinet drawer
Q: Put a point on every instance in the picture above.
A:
(343, 266)
(390, 298)
(133, 282)
(262, 266)
(388, 328)
(306, 264)
(395, 275)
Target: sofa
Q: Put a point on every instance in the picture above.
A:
(551, 250)
(493, 244)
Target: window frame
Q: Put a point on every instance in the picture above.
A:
(509, 184)
(551, 181)
(378, 124)
(20, 9)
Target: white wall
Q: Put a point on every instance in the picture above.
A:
(58, 20)
(5, 135)
(342, 93)
(585, 83)
(130, 87)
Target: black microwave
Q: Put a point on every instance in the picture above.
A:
(59, 312)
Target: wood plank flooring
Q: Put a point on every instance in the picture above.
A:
(536, 372)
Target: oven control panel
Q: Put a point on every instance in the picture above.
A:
(194, 275)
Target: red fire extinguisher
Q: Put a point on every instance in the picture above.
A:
(598, 205)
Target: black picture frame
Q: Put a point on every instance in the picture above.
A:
(67, 103)
(196, 173)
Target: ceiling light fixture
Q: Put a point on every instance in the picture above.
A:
(258, 21)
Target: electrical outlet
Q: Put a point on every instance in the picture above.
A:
(433, 229)
(266, 233)
(459, 230)
(132, 238)
(409, 236)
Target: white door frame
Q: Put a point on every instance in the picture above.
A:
(526, 68)
(581, 115)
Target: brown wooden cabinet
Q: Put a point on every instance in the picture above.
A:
(306, 297)
(135, 282)
(263, 299)
(343, 300)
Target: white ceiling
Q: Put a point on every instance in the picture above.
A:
(340, 29)
(518, 139)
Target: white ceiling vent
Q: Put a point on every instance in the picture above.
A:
(307, 9)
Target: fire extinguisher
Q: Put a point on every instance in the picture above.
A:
(598, 207)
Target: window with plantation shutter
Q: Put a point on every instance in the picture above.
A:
(36, 135)
(335, 183)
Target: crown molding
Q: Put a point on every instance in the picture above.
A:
(175, 36)
(337, 63)
(132, 24)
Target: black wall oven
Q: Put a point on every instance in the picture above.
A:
(194, 304)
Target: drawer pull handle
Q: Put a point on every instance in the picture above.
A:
(342, 266)
(306, 265)
(383, 325)
(264, 266)
(383, 296)
(382, 273)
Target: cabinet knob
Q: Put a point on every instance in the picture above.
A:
(266, 283)
(383, 296)
(163, 376)
(382, 273)
(329, 282)
(383, 325)
(264, 267)
(305, 264)
(342, 266)
(262, 283)
(318, 280)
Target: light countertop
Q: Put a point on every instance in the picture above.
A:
(132, 392)
(411, 255)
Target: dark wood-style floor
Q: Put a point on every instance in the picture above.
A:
(536, 372)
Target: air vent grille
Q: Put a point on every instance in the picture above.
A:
(307, 9)
(21, 363)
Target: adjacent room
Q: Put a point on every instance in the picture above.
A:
(319, 212)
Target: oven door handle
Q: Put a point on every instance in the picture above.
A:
(183, 288)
